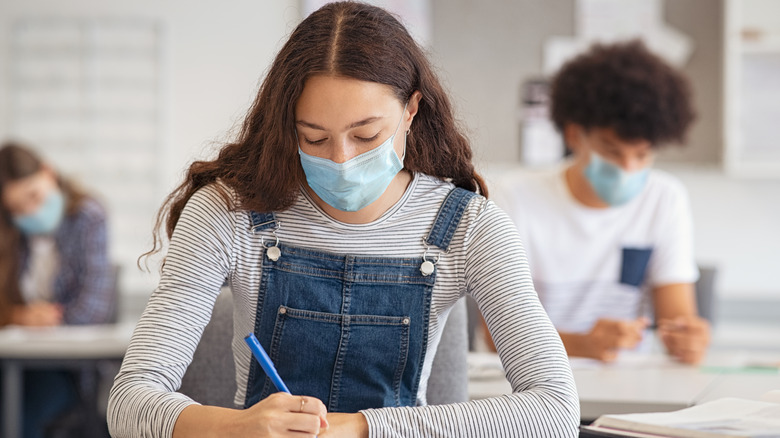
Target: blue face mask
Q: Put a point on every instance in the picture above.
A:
(357, 182)
(614, 185)
(46, 219)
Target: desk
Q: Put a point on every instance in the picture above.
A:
(638, 382)
(77, 347)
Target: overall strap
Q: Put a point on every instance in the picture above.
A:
(448, 217)
(262, 221)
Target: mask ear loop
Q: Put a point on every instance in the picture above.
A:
(406, 134)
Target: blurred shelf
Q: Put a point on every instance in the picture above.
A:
(767, 46)
(751, 65)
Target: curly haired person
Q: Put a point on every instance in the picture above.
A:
(609, 238)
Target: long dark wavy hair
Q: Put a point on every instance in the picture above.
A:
(18, 161)
(345, 39)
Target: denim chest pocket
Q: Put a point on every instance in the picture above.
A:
(371, 355)
(633, 266)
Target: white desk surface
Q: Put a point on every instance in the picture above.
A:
(637, 383)
(750, 385)
(65, 342)
(641, 382)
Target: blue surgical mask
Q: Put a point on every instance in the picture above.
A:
(614, 185)
(357, 182)
(46, 219)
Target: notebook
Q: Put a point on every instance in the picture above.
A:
(725, 417)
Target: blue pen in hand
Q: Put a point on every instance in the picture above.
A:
(265, 362)
(267, 365)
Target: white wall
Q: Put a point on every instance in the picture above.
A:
(217, 54)
(737, 229)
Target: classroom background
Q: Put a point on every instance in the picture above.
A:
(122, 96)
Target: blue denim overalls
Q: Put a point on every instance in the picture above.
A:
(349, 330)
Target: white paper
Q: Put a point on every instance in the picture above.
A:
(728, 416)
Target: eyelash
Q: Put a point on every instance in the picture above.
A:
(366, 140)
(322, 140)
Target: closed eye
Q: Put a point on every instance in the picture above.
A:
(320, 141)
(367, 140)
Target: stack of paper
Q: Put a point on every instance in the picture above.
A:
(726, 417)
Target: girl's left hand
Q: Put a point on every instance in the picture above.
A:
(346, 425)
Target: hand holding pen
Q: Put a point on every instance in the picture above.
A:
(282, 414)
(685, 337)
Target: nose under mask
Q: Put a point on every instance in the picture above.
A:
(614, 185)
(357, 182)
(46, 219)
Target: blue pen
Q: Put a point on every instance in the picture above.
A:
(265, 362)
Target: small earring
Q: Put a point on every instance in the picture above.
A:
(408, 131)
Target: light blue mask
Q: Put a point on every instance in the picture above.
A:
(46, 219)
(614, 185)
(357, 182)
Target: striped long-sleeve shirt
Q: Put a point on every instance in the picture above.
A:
(212, 243)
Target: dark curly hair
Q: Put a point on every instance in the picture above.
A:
(626, 88)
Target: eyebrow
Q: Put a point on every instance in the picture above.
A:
(352, 125)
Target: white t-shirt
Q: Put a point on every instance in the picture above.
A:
(37, 282)
(591, 263)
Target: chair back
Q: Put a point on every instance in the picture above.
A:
(113, 315)
(706, 298)
(449, 376)
(210, 378)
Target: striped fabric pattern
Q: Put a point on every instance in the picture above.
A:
(486, 259)
(593, 300)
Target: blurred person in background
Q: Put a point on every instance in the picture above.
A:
(609, 239)
(54, 268)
